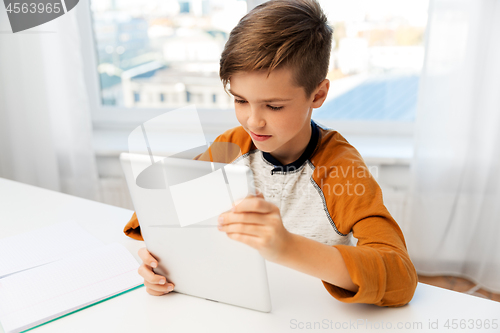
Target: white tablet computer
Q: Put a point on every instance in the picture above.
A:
(177, 202)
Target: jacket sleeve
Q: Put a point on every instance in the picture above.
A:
(133, 229)
(379, 264)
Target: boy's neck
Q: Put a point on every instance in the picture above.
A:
(295, 147)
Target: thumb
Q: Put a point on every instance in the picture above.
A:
(258, 193)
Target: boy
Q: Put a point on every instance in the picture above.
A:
(316, 191)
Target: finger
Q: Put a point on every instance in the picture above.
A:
(243, 228)
(154, 292)
(243, 217)
(159, 288)
(150, 276)
(246, 239)
(254, 204)
(258, 194)
(147, 258)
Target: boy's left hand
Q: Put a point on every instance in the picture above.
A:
(257, 223)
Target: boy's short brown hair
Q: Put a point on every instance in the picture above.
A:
(281, 33)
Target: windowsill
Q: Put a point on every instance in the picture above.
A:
(383, 150)
(110, 143)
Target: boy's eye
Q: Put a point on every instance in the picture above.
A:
(275, 108)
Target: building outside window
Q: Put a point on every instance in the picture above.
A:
(152, 46)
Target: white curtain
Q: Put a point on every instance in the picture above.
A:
(453, 221)
(45, 125)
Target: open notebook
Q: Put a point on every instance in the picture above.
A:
(42, 246)
(48, 291)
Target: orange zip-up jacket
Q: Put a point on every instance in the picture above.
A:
(330, 196)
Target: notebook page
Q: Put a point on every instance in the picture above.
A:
(44, 245)
(38, 295)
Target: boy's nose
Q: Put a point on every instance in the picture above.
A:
(255, 120)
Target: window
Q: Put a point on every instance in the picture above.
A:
(168, 45)
(376, 59)
(151, 47)
(137, 97)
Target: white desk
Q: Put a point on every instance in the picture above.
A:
(296, 298)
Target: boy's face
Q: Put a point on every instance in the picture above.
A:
(275, 112)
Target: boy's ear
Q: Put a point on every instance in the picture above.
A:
(320, 93)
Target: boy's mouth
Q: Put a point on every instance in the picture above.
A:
(258, 137)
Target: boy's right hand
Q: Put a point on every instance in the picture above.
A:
(156, 285)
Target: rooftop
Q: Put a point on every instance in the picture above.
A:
(384, 97)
